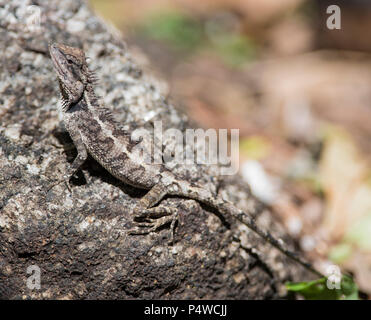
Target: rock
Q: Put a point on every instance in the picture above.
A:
(78, 240)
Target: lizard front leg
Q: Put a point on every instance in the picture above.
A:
(82, 155)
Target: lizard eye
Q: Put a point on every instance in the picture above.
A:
(69, 59)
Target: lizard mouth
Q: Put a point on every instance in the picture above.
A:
(57, 56)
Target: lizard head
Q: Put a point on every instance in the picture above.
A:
(72, 71)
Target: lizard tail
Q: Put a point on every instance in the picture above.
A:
(228, 209)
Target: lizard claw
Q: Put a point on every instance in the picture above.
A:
(58, 182)
(146, 228)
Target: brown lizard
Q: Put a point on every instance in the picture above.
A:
(93, 130)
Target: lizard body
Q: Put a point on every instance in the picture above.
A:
(94, 131)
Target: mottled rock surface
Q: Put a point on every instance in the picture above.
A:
(78, 239)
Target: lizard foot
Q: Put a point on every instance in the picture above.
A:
(152, 219)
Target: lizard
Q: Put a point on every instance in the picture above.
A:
(94, 131)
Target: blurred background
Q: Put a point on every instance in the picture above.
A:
(299, 93)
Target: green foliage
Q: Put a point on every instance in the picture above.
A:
(318, 289)
(359, 233)
(235, 49)
(188, 34)
(340, 253)
(179, 30)
(255, 147)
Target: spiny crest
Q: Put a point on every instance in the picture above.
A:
(104, 112)
(92, 77)
(65, 104)
(107, 114)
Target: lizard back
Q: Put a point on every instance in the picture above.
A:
(108, 144)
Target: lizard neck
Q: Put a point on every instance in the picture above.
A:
(88, 101)
(89, 98)
(89, 93)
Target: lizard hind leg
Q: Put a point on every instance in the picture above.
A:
(150, 218)
(160, 216)
(166, 215)
(153, 196)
